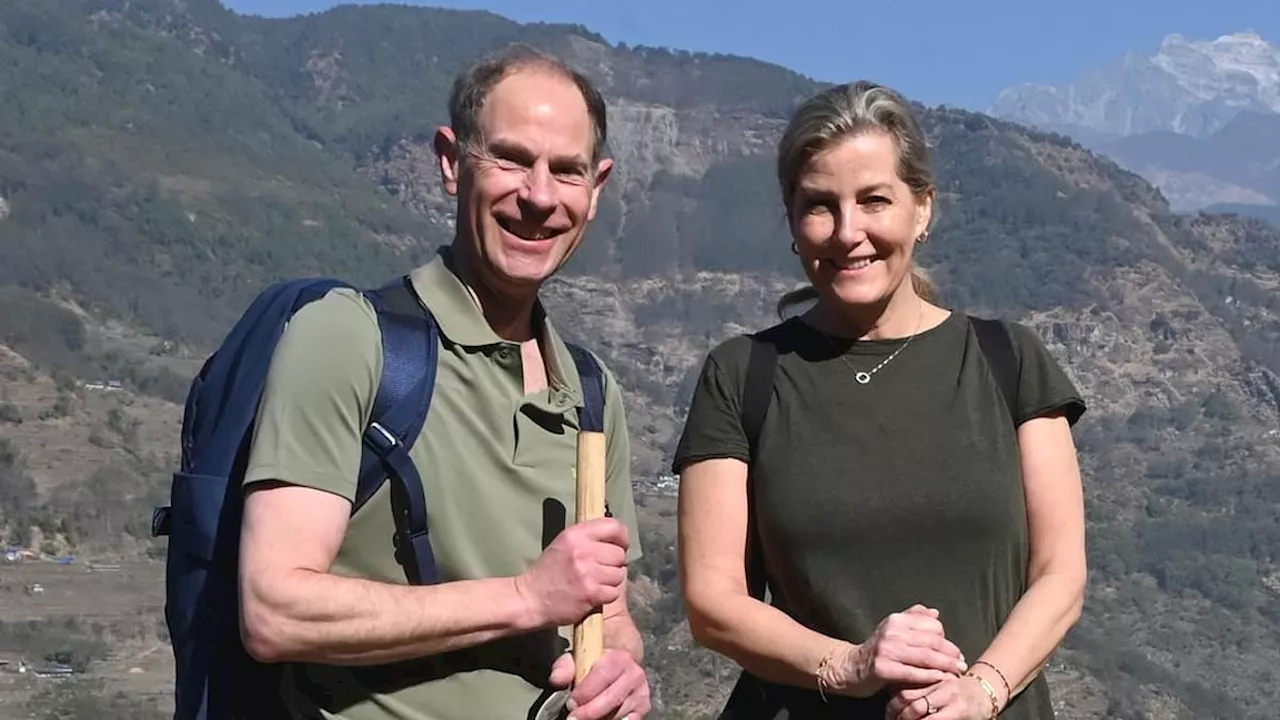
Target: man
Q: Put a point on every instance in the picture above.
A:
(324, 593)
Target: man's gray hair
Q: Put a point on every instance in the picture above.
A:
(473, 85)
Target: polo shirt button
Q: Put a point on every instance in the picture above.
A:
(504, 354)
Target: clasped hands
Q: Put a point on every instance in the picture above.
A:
(910, 654)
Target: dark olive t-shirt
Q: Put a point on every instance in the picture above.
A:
(872, 498)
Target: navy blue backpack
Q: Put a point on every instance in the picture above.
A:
(216, 678)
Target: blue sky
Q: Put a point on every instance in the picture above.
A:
(936, 51)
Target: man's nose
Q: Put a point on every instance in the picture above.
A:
(539, 191)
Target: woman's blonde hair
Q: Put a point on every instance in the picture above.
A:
(841, 112)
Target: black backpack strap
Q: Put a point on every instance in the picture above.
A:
(757, 394)
(409, 349)
(997, 347)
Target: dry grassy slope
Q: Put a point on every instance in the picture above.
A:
(1114, 359)
(70, 431)
(58, 449)
(1159, 346)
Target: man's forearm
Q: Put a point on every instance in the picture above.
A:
(323, 618)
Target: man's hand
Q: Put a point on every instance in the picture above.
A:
(584, 568)
(615, 689)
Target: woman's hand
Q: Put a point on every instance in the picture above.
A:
(957, 698)
(907, 648)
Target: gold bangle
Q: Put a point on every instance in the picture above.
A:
(1008, 691)
(991, 693)
(823, 666)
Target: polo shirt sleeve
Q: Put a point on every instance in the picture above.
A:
(318, 396)
(619, 493)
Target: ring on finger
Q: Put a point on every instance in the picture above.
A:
(929, 709)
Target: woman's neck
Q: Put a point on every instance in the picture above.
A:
(901, 316)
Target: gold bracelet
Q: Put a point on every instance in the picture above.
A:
(1008, 691)
(991, 693)
(823, 665)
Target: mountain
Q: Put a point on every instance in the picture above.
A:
(1200, 119)
(161, 160)
(1187, 87)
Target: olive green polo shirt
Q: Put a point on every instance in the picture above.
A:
(497, 469)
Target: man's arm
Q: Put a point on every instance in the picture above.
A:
(299, 481)
(294, 609)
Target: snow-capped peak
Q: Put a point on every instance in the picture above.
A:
(1187, 86)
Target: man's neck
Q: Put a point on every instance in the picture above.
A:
(510, 317)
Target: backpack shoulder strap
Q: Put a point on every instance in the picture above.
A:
(592, 375)
(410, 349)
(591, 417)
(757, 389)
(997, 347)
(757, 394)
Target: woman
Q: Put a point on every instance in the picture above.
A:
(923, 541)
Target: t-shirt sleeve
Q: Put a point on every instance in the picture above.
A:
(713, 425)
(1043, 386)
(619, 492)
(318, 396)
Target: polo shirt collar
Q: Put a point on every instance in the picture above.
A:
(460, 319)
(457, 314)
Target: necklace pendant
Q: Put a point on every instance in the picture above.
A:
(862, 377)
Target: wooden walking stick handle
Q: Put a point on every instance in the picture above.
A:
(588, 636)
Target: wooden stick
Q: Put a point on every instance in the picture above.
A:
(588, 636)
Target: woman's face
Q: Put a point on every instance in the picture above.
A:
(855, 222)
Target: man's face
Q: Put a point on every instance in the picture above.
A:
(527, 187)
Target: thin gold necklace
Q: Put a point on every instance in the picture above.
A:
(863, 376)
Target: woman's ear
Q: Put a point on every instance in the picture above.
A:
(924, 212)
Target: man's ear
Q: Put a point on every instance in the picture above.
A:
(603, 170)
(448, 153)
